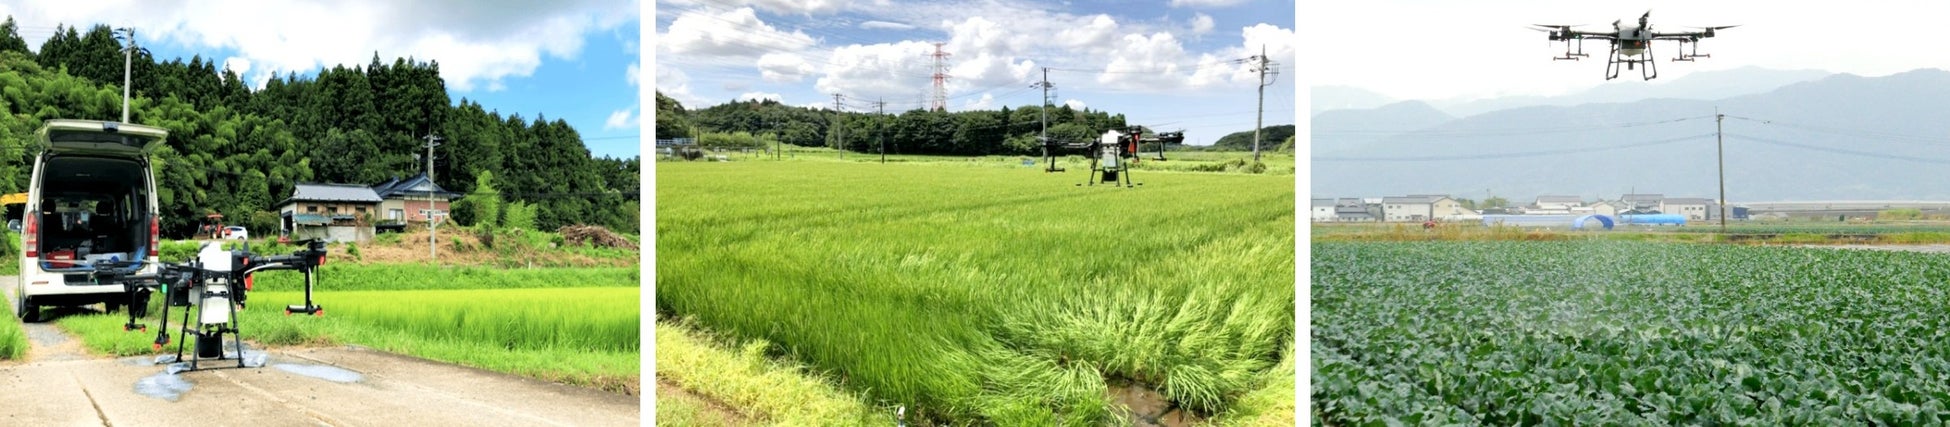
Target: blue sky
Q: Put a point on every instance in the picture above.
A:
(573, 60)
(1167, 63)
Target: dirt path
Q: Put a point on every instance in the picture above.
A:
(61, 384)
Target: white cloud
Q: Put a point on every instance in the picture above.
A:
(677, 85)
(987, 102)
(752, 96)
(623, 119)
(634, 74)
(884, 25)
(1277, 44)
(884, 70)
(1074, 104)
(736, 33)
(1097, 33)
(474, 45)
(783, 67)
(1201, 24)
(1145, 62)
(1205, 3)
(980, 35)
(237, 64)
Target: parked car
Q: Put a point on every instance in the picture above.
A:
(91, 201)
(236, 233)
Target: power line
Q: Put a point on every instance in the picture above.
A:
(1838, 150)
(1493, 156)
(1507, 131)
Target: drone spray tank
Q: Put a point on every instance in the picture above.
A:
(1108, 154)
(214, 285)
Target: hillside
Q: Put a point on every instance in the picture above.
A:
(239, 151)
(1840, 137)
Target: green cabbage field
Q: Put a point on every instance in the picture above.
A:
(1625, 333)
(987, 294)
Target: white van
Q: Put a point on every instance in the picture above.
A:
(91, 203)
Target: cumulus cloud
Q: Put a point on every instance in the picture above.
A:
(987, 102)
(736, 33)
(634, 74)
(1145, 62)
(1074, 104)
(623, 119)
(677, 85)
(1201, 24)
(783, 67)
(1096, 33)
(753, 96)
(884, 25)
(476, 46)
(1276, 42)
(882, 70)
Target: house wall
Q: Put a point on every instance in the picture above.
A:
(329, 208)
(1407, 211)
(410, 208)
(334, 233)
(1448, 209)
(1692, 212)
(1323, 213)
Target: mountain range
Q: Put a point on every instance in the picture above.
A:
(1805, 137)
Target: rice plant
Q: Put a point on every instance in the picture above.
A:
(994, 294)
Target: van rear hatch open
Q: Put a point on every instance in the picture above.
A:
(100, 138)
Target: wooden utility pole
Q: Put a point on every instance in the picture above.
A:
(432, 244)
(1720, 137)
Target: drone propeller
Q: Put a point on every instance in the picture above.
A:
(1708, 31)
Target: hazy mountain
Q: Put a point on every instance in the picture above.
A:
(1324, 98)
(1839, 137)
(1337, 131)
(1704, 85)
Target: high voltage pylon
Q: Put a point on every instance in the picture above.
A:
(940, 100)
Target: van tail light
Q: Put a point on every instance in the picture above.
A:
(30, 244)
(155, 230)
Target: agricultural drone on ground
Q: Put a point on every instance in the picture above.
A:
(1111, 155)
(1630, 45)
(209, 283)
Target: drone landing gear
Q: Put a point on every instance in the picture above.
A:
(1650, 71)
(1689, 57)
(1049, 157)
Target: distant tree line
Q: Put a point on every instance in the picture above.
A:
(1009, 131)
(237, 151)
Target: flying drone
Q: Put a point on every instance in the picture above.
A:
(214, 284)
(1630, 44)
(1111, 156)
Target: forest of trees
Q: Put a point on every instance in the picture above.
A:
(761, 123)
(971, 133)
(237, 151)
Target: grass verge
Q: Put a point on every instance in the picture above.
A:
(768, 391)
(1272, 404)
(580, 336)
(13, 338)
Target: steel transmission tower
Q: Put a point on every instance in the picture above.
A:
(940, 100)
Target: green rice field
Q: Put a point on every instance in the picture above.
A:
(576, 331)
(1599, 332)
(1000, 295)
